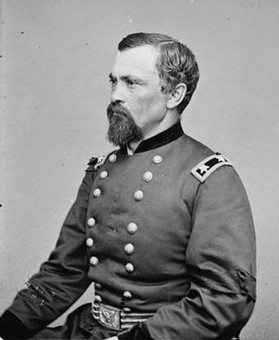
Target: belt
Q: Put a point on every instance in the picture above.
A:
(115, 318)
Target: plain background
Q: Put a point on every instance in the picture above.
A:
(55, 60)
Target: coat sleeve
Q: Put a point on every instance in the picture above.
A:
(61, 279)
(220, 260)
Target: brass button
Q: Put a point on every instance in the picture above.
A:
(157, 159)
(89, 242)
(97, 192)
(147, 176)
(129, 248)
(94, 260)
(104, 174)
(127, 294)
(126, 310)
(112, 158)
(98, 285)
(98, 298)
(132, 228)
(138, 195)
(91, 222)
(130, 267)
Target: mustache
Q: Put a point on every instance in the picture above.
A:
(116, 108)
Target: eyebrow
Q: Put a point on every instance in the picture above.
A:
(127, 77)
(111, 76)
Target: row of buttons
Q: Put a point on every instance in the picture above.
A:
(131, 227)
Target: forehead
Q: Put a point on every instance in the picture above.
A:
(140, 61)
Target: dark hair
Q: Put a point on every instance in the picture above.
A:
(176, 63)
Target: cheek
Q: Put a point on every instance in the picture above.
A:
(155, 105)
(147, 107)
(139, 108)
(152, 102)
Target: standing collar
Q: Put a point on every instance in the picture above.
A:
(160, 139)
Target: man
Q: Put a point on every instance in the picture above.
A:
(162, 225)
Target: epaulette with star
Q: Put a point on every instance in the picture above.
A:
(206, 167)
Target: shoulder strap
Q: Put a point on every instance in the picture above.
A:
(206, 167)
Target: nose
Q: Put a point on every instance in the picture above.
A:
(117, 94)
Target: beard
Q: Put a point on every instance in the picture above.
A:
(122, 126)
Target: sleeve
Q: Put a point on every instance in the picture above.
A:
(220, 260)
(61, 279)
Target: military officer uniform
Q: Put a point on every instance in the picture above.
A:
(166, 235)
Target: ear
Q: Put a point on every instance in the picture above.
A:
(176, 96)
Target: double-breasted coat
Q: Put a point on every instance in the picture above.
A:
(167, 231)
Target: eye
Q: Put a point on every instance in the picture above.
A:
(130, 82)
(112, 80)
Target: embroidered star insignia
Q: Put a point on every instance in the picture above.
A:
(203, 168)
(221, 158)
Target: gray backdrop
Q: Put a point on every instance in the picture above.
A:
(55, 60)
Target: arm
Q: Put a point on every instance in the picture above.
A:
(220, 259)
(61, 279)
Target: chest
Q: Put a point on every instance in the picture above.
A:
(140, 201)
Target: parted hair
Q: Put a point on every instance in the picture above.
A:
(176, 63)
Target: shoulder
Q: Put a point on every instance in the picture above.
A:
(203, 160)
